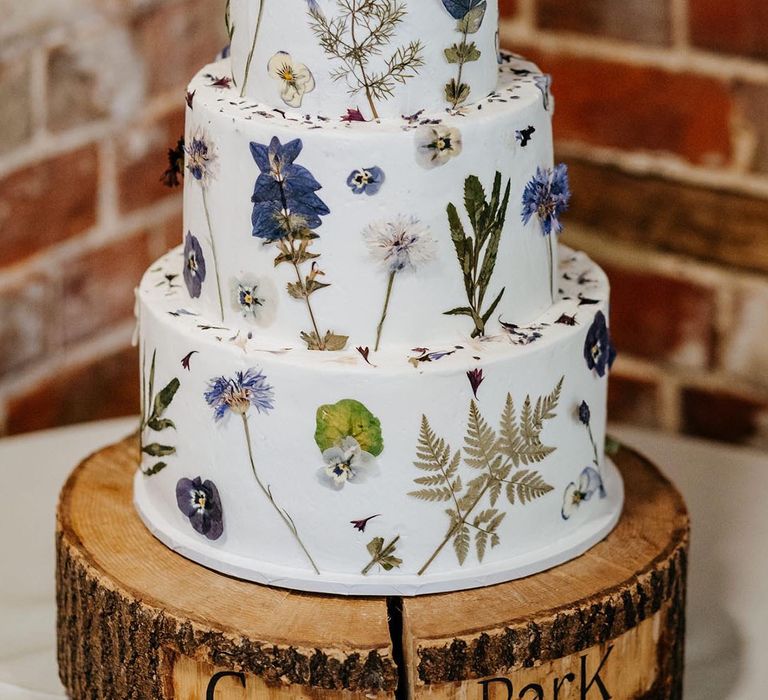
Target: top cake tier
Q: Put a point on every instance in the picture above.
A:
(381, 58)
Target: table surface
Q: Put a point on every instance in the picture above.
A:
(726, 489)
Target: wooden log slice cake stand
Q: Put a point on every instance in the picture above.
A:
(138, 621)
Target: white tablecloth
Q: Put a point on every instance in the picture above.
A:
(726, 489)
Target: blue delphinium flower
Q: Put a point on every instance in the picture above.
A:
(599, 351)
(199, 501)
(194, 266)
(366, 180)
(284, 197)
(239, 393)
(546, 196)
(458, 9)
(590, 482)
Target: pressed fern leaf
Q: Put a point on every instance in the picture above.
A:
(546, 405)
(480, 442)
(434, 456)
(461, 541)
(526, 486)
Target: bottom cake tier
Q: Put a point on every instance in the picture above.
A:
(391, 473)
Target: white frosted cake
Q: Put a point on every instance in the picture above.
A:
(368, 368)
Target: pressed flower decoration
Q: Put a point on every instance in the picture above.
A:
(174, 171)
(382, 554)
(194, 266)
(349, 437)
(398, 245)
(253, 299)
(238, 395)
(585, 418)
(471, 500)
(153, 409)
(437, 144)
(599, 351)
(477, 254)
(546, 197)
(366, 180)
(476, 378)
(363, 30)
(469, 15)
(202, 163)
(575, 494)
(286, 212)
(199, 500)
(295, 78)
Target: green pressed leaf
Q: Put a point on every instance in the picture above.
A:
(452, 54)
(487, 315)
(313, 285)
(155, 469)
(151, 387)
(474, 200)
(459, 311)
(295, 290)
(462, 53)
(461, 543)
(473, 20)
(164, 398)
(456, 93)
(348, 418)
(158, 424)
(375, 546)
(157, 450)
(335, 342)
(480, 441)
(527, 486)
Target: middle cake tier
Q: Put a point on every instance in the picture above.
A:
(396, 234)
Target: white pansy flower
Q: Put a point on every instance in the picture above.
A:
(295, 79)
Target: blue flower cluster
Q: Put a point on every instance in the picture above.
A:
(284, 197)
(546, 196)
(239, 393)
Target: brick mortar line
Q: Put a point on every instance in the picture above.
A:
(667, 167)
(680, 23)
(634, 257)
(726, 68)
(113, 339)
(46, 144)
(54, 257)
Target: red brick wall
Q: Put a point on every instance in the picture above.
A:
(662, 116)
(91, 97)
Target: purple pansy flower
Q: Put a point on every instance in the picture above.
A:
(590, 482)
(284, 197)
(366, 180)
(599, 351)
(199, 501)
(239, 393)
(546, 196)
(194, 266)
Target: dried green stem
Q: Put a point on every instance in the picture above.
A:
(253, 48)
(268, 493)
(213, 251)
(388, 296)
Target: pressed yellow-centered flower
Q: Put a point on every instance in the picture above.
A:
(295, 78)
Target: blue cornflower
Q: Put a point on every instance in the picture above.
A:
(194, 265)
(546, 196)
(238, 394)
(199, 501)
(599, 351)
(284, 196)
(366, 180)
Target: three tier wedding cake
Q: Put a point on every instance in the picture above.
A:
(369, 368)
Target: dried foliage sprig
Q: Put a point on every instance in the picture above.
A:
(496, 459)
(477, 255)
(361, 31)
